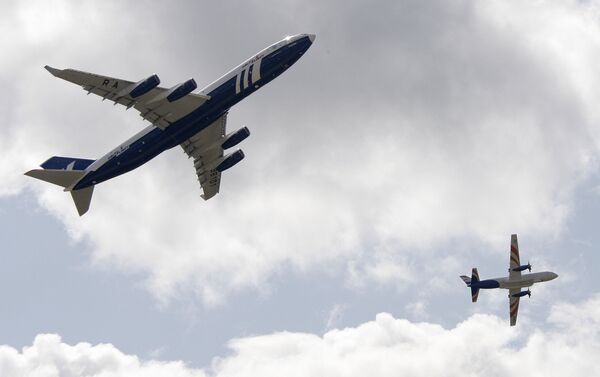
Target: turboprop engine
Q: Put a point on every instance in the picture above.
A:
(521, 294)
(522, 268)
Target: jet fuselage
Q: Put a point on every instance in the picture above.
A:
(230, 89)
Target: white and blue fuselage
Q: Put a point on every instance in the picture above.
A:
(523, 281)
(230, 89)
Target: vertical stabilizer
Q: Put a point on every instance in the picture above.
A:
(82, 199)
(67, 179)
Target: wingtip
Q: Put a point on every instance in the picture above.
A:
(52, 70)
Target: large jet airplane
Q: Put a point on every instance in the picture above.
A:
(195, 121)
(514, 282)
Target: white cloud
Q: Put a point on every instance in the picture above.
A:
(567, 344)
(49, 357)
(397, 132)
(481, 345)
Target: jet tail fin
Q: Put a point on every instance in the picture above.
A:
(82, 199)
(66, 179)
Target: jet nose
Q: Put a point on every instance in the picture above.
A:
(311, 37)
(554, 276)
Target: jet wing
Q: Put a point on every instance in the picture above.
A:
(205, 148)
(158, 111)
(513, 305)
(514, 258)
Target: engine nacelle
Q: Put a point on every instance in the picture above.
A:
(181, 90)
(230, 160)
(235, 138)
(522, 268)
(521, 294)
(144, 86)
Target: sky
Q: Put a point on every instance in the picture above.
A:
(403, 149)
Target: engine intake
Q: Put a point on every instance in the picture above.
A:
(144, 86)
(235, 138)
(521, 294)
(230, 160)
(182, 90)
(522, 268)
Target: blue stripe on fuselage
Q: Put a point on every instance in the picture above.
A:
(222, 98)
(486, 284)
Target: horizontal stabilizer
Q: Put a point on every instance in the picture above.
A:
(63, 178)
(474, 294)
(67, 163)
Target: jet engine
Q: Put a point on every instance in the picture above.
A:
(144, 86)
(230, 160)
(177, 92)
(181, 90)
(235, 138)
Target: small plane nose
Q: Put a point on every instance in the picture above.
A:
(311, 37)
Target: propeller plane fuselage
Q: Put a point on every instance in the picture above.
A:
(513, 282)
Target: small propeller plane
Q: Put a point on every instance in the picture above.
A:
(194, 121)
(514, 282)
